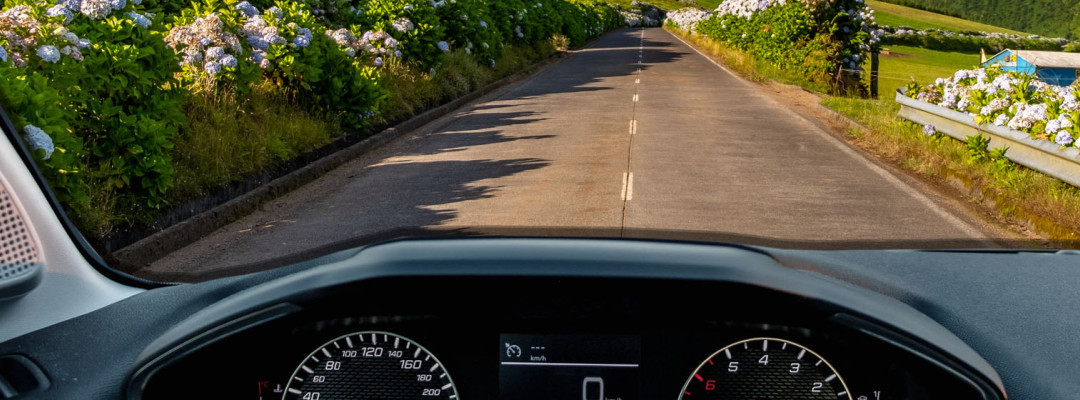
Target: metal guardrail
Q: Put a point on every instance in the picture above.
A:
(1040, 155)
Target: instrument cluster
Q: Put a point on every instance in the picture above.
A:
(563, 338)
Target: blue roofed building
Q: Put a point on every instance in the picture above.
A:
(1053, 67)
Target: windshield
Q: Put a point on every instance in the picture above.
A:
(192, 139)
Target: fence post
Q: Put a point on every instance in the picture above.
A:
(873, 75)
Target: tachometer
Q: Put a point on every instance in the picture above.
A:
(764, 368)
(370, 365)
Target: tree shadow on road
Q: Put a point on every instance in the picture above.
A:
(380, 198)
(475, 129)
(612, 56)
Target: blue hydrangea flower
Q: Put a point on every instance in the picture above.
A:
(139, 19)
(117, 4)
(215, 53)
(72, 5)
(49, 53)
(443, 46)
(929, 130)
(60, 10)
(258, 43)
(247, 9)
(378, 61)
(3, 54)
(228, 61)
(212, 67)
(39, 140)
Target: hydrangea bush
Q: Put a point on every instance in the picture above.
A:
(1008, 99)
(825, 40)
(115, 88)
(96, 87)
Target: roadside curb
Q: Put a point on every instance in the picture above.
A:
(151, 248)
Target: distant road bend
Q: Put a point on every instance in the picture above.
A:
(637, 130)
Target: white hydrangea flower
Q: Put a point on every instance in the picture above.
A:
(1063, 138)
(403, 25)
(95, 9)
(49, 53)
(1001, 120)
(264, 64)
(1053, 126)
(83, 43)
(378, 61)
(443, 46)
(1063, 120)
(39, 140)
(351, 52)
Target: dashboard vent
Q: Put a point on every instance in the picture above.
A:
(20, 376)
(20, 254)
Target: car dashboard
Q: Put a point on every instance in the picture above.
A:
(450, 323)
(590, 319)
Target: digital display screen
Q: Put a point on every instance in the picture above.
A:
(569, 367)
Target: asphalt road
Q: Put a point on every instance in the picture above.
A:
(636, 131)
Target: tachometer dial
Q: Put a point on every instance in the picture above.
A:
(764, 368)
(370, 365)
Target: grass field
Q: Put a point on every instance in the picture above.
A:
(897, 15)
(902, 63)
(709, 4)
(671, 4)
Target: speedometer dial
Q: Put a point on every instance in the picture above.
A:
(764, 368)
(370, 365)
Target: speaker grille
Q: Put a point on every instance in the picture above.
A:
(18, 247)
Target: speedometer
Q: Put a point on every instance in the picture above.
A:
(764, 368)
(370, 365)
